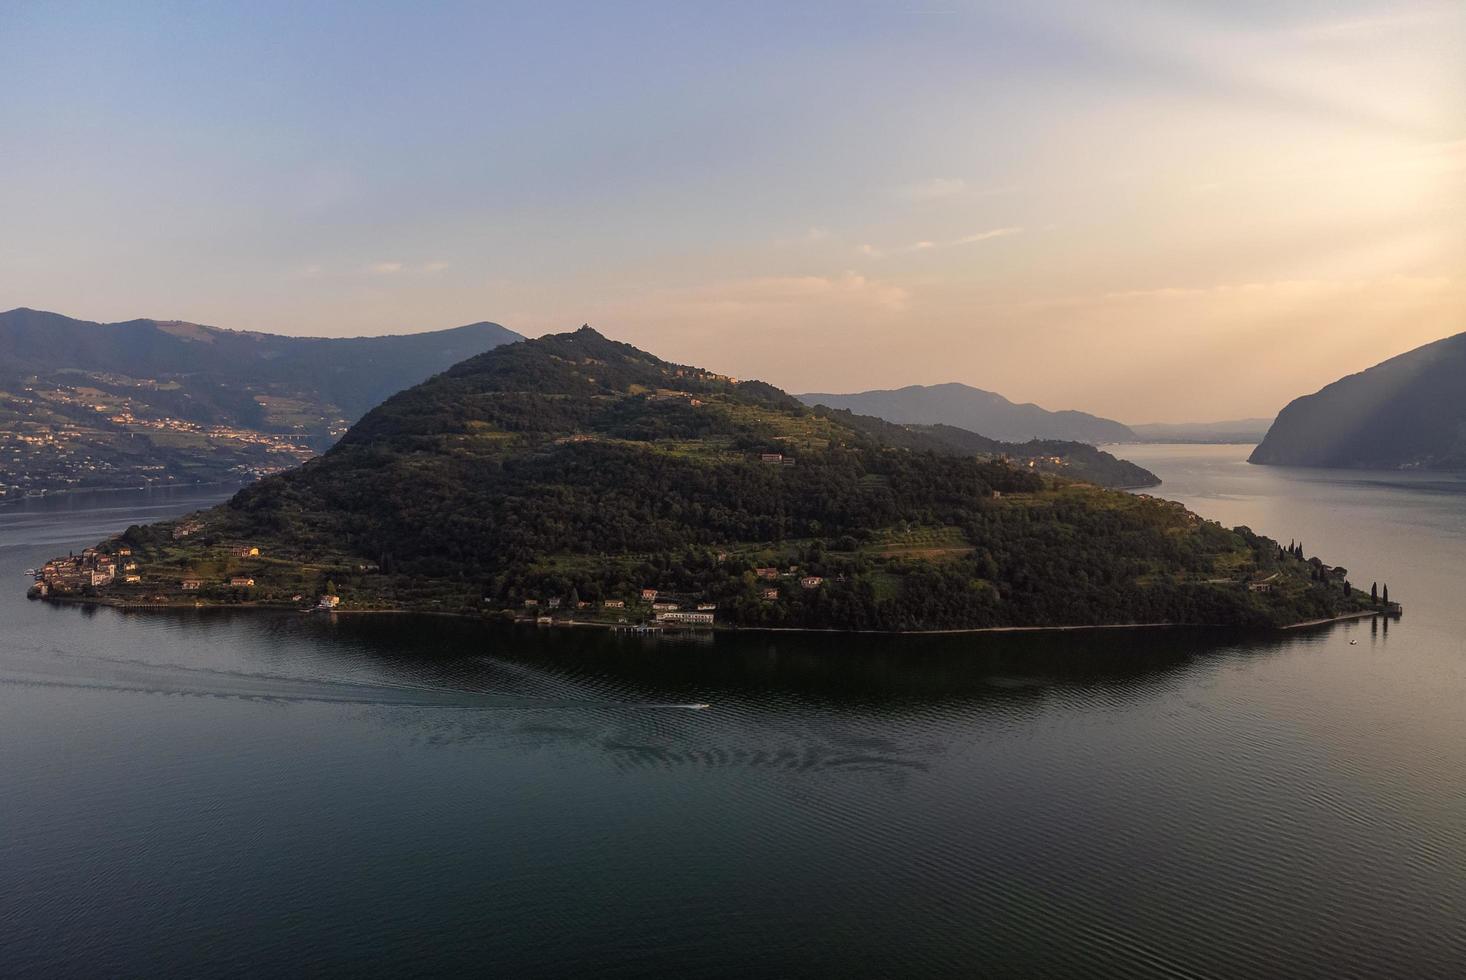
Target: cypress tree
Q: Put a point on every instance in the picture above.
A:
(1374, 592)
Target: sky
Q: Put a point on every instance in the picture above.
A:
(1156, 211)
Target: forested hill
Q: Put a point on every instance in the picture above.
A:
(1408, 412)
(151, 402)
(352, 374)
(976, 410)
(1076, 460)
(576, 474)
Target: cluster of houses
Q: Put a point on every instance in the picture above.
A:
(664, 608)
(670, 394)
(771, 574)
(674, 610)
(90, 569)
(234, 582)
(194, 584)
(776, 459)
(113, 563)
(95, 568)
(184, 528)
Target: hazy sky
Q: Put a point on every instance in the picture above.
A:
(1164, 210)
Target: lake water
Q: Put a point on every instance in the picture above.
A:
(266, 794)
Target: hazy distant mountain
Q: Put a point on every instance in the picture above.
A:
(1409, 412)
(1247, 431)
(87, 404)
(979, 411)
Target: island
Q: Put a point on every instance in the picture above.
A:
(576, 479)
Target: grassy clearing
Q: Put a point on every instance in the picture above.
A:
(918, 542)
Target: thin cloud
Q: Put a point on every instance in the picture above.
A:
(1370, 27)
(926, 245)
(395, 268)
(767, 294)
(983, 236)
(933, 189)
(1288, 286)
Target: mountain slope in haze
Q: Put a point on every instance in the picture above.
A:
(1234, 431)
(576, 477)
(1408, 412)
(976, 410)
(150, 401)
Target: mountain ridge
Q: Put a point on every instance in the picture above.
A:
(977, 410)
(1232, 431)
(144, 402)
(1407, 412)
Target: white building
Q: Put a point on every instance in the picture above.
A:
(688, 618)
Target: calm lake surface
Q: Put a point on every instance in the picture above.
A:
(263, 794)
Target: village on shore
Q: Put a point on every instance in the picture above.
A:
(95, 574)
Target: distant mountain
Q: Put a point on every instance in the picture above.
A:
(87, 404)
(1074, 460)
(1245, 431)
(977, 411)
(1407, 413)
(575, 478)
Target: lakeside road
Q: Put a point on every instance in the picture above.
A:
(718, 628)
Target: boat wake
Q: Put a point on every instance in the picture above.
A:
(102, 674)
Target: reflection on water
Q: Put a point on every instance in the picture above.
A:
(205, 791)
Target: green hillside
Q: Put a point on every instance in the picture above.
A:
(572, 471)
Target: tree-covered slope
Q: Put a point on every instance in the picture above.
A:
(573, 472)
(1409, 411)
(1076, 460)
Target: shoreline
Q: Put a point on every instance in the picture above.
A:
(71, 491)
(716, 628)
(1366, 614)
